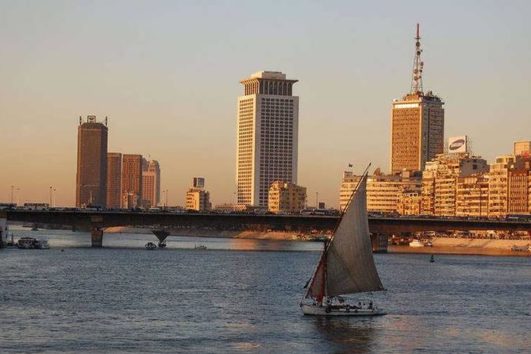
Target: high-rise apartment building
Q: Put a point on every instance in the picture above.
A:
(417, 123)
(91, 177)
(286, 197)
(440, 181)
(131, 181)
(498, 185)
(114, 180)
(150, 183)
(409, 203)
(472, 196)
(267, 136)
(519, 186)
(384, 192)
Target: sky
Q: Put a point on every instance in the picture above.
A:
(167, 74)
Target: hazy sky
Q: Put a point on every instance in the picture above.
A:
(167, 73)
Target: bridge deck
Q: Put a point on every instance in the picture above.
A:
(100, 219)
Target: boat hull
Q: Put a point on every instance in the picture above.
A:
(311, 310)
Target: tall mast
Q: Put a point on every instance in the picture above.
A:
(418, 65)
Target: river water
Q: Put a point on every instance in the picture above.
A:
(242, 296)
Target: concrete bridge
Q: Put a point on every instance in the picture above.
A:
(97, 221)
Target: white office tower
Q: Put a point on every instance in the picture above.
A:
(267, 137)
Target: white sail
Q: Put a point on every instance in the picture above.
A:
(347, 266)
(350, 266)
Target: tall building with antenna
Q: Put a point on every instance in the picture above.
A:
(417, 122)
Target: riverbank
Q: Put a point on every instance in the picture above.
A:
(255, 235)
(485, 247)
(482, 247)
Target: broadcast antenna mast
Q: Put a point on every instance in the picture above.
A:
(418, 65)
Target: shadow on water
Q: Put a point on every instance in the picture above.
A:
(353, 335)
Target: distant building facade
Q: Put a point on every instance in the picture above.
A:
(498, 185)
(229, 208)
(522, 148)
(519, 186)
(472, 196)
(285, 197)
(197, 198)
(348, 185)
(150, 183)
(267, 136)
(114, 180)
(91, 176)
(131, 181)
(384, 192)
(440, 180)
(409, 203)
(198, 182)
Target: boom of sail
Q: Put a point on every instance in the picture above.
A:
(347, 265)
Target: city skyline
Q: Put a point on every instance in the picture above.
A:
(344, 115)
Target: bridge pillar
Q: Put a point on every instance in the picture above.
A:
(379, 242)
(97, 237)
(96, 231)
(3, 230)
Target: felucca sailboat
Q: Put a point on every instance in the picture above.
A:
(346, 265)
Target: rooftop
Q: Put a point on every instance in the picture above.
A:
(269, 75)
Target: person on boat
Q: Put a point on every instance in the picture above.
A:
(370, 305)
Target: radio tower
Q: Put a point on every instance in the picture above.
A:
(418, 65)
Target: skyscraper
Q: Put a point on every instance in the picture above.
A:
(417, 121)
(131, 181)
(114, 180)
(91, 177)
(267, 136)
(150, 183)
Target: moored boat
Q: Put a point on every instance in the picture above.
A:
(416, 244)
(516, 248)
(32, 243)
(26, 242)
(41, 244)
(346, 265)
(150, 246)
